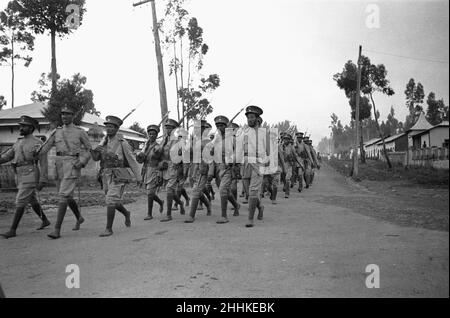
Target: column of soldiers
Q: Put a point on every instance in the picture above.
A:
(296, 162)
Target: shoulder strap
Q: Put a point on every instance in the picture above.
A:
(65, 140)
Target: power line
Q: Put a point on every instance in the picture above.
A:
(407, 57)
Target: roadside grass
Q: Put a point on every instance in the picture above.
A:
(376, 170)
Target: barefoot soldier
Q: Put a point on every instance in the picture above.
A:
(117, 160)
(69, 141)
(151, 175)
(29, 177)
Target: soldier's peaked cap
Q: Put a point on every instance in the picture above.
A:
(154, 128)
(172, 123)
(67, 110)
(234, 126)
(29, 121)
(113, 120)
(221, 120)
(205, 124)
(254, 110)
(300, 134)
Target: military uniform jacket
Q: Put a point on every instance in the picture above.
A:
(255, 156)
(22, 157)
(69, 141)
(117, 153)
(303, 151)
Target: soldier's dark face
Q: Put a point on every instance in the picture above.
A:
(67, 118)
(152, 135)
(252, 120)
(111, 130)
(25, 130)
(299, 139)
(221, 128)
(169, 130)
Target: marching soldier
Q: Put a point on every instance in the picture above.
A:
(274, 178)
(236, 170)
(29, 176)
(225, 165)
(315, 159)
(170, 169)
(202, 172)
(116, 156)
(70, 159)
(151, 175)
(309, 162)
(290, 162)
(302, 151)
(252, 170)
(183, 170)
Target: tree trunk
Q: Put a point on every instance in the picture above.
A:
(361, 143)
(54, 70)
(380, 134)
(176, 79)
(12, 70)
(183, 105)
(159, 60)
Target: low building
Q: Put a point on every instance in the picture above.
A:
(371, 149)
(395, 143)
(421, 125)
(436, 136)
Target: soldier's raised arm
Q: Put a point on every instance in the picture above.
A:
(45, 148)
(7, 156)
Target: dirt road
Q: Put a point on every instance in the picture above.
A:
(307, 246)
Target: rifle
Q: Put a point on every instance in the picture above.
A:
(231, 121)
(132, 111)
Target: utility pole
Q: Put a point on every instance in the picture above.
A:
(358, 89)
(159, 60)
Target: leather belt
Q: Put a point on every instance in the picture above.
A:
(65, 154)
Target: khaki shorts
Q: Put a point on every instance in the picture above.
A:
(113, 190)
(25, 196)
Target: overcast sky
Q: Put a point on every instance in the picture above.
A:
(280, 54)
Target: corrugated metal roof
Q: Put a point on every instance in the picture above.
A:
(371, 142)
(390, 139)
(421, 123)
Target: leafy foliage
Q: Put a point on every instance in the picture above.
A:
(437, 111)
(71, 93)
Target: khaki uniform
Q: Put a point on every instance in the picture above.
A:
(170, 175)
(201, 171)
(151, 173)
(117, 154)
(302, 150)
(253, 167)
(69, 142)
(28, 174)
